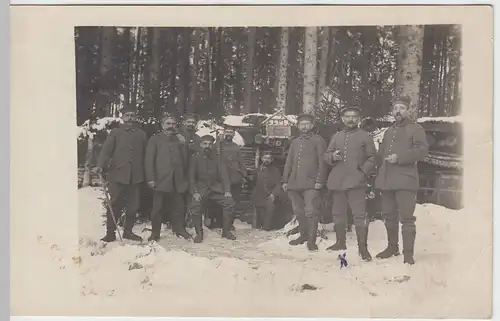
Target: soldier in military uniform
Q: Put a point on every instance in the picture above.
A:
(166, 173)
(188, 131)
(267, 191)
(404, 144)
(122, 161)
(352, 155)
(209, 181)
(233, 159)
(304, 176)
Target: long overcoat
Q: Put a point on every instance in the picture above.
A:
(166, 163)
(122, 155)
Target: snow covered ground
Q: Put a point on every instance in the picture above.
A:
(261, 275)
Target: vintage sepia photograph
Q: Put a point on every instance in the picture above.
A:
(254, 151)
(238, 162)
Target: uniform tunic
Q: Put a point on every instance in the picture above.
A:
(304, 165)
(231, 154)
(358, 153)
(208, 177)
(122, 159)
(407, 140)
(348, 178)
(166, 159)
(193, 141)
(267, 181)
(399, 182)
(122, 155)
(207, 173)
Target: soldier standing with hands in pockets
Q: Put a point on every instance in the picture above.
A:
(352, 155)
(404, 144)
(303, 178)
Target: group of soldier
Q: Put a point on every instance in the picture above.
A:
(187, 172)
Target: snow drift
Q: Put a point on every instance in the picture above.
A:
(260, 275)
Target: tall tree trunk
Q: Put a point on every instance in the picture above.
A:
(194, 70)
(152, 86)
(106, 62)
(88, 161)
(173, 71)
(409, 68)
(137, 62)
(184, 71)
(127, 44)
(310, 71)
(85, 93)
(282, 70)
(291, 101)
(219, 74)
(238, 77)
(210, 39)
(323, 63)
(249, 71)
(455, 77)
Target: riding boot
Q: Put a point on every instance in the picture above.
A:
(226, 228)
(362, 237)
(127, 232)
(340, 243)
(312, 231)
(156, 222)
(392, 248)
(199, 230)
(303, 232)
(178, 227)
(408, 245)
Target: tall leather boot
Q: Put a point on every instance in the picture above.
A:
(392, 248)
(340, 243)
(312, 231)
(227, 222)
(199, 230)
(408, 245)
(362, 237)
(156, 222)
(127, 231)
(303, 232)
(178, 226)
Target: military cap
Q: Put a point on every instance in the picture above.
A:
(128, 109)
(403, 100)
(307, 117)
(350, 107)
(207, 138)
(168, 116)
(266, 152)
(190, 116)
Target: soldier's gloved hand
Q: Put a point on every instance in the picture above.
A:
(393, 158)
(336, 156)
(272, 197)
(228, 194)
(284, 187)
(152, 184)
(98, 170)
(318, 186)
(197, 197)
